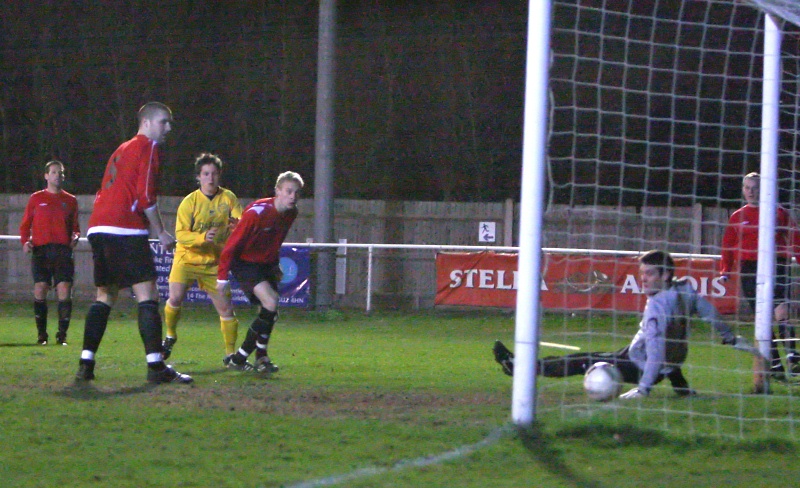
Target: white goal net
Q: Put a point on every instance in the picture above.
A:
(655, 117)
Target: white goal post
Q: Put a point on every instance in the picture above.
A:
(661, 102)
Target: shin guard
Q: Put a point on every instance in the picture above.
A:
(64, 315)
(265, 322)
(96, 322)
(40, 315)
(150, 328)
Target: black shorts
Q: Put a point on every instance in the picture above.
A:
(579, 363)
(249, 275)
(121, 261)
(53, 264)
(781, 291)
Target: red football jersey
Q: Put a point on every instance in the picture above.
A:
(258, 236)
(740, 240)
(128, 188)
(50, 218)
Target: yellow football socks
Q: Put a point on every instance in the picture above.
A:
(171, 317)
(230, 331)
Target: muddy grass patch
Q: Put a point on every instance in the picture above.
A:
(275, 399)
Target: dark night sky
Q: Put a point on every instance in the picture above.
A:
(679, 92)
(653, 103)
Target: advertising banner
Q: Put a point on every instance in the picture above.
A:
(569, 281)
(294, 288)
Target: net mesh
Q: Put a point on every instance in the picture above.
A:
(655, 118)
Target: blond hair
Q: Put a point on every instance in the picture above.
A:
(751, 176)
(289, 176)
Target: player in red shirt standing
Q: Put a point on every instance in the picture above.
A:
(252, 255)
(125, 212)
(740, 244)
(49, 231)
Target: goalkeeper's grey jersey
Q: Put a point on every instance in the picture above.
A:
(648, 347)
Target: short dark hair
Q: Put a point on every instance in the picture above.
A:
(662, 259)
(150, 109)
(204, 159)
(52, 163)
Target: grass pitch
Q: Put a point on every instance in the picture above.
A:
(388, 400)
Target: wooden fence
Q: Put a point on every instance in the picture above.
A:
(406, 278)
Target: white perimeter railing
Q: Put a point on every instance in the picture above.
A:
(371, 248)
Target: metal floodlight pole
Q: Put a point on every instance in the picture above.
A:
(323, 162)
(534, 154)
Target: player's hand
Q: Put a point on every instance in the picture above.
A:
(232, 223)
(28, 247)
(211, 234)
(740, 344)
(166, 240)
(634, 393)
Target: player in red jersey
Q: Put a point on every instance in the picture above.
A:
(740, 245)
(252, 255)
(125, 212)
(49, 231)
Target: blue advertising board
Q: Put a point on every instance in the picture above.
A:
(294, 288)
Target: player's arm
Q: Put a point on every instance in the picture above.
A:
(183, 224)
(236, 206)
(236, 212)
(147, 176)
(25, 227)
(76, 226)
(157, 227)
(729, 245)
(653, 333)
(233, 247)
(794, 237)
(147, 193)
(655, 354)
(709, 314)
(656, 349)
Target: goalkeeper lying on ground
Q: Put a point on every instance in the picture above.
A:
(659, 348)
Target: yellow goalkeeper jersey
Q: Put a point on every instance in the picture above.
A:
(196, 215)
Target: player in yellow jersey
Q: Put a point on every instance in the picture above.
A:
(204, 222)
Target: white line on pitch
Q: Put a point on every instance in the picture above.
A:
(559, 346)
(458, 452)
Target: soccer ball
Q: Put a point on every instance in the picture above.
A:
(602, 382)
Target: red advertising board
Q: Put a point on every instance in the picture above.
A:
(569, 281)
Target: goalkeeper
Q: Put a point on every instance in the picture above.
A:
(204, 222)
(660, 346)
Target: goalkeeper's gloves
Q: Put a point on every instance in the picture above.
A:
(740, 344)
(634, 393)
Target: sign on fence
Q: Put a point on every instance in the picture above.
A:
(569, 281)
(294, 288)
(487, 232)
